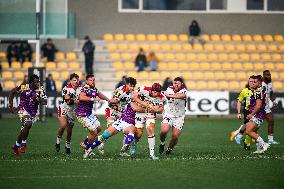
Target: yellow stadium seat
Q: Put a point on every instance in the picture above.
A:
(162, 65)
(276, 57)
(269, 66)
(122, 46)
(216, 66)
(172, 37)
(140, 37)
(278, 38)
(169, 56)
(108, 37)
(223, 56)
(134, 74)
(120, 74)
(62, 65)
(234, 85)
(187, 47)
(236, 38)
(129, 65)
(41, 64)
(151, 37)
(204, 66)
(281, 75)
(261, 47)
(257, 38)
(219, 75)
(265, 56)
(56, 75)
(247, 38)
(27, 64)
(133, 47)
(172, 66)
(165, 47)
(118, 37)
(208, 47)
(191, 56)
(187, 75)
(176, 47)
(215, 37)
(208, 75)
(145, 46)
(211, 56)
(278, 85)
(126, 56)
(201, 85)
(2, 56)
(227, 66)
(183, 37)
(115, 56)
(275, 75)
(219, 47)
(268, 38)
(160, 56)
(180, 56)
(197, 47)
(205, 37)
(71, 56)
(19, 75)
(251, 47)
(244, 57)
(165, 74)
(183, 66)
(143, 75)
(279, 66)
(223, 85)
(193, 66)
(229, 47)
(59, 56)
(8, 85)
(259, 66)
(175, 74)
(5, 65)
(248, 66)
(212, 85)
(16, 65)
(226, 38)
(242, 75)
(129, 37)
(191, 85)
(240, 47)
(111, 47)
(237, 66)
(154, 75)
(65, 74)
(201, 56)
(58, 85)
(255, 56)
(230, 75)
(272, 47)
(162, 37)
(155, 47)
(74, 65)
(51, 65)
(281, 47)
(233, 56)
(118, 65)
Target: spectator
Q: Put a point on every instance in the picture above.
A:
(140, 60)
(48, 50)
(167, 82)
(26, 79)
(50, 84)
(25, 52)
(12, 52)
(65, 83)
(122, 82)
(88, 50)
(152, 60)
(194, 33)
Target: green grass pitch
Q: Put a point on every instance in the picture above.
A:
(203, 158)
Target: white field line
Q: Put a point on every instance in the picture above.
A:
(48, 177)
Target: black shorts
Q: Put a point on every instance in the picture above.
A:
(246, 112)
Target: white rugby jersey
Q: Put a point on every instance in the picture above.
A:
(73, 93)
(174, 106)
(267, 89)
(123, 96)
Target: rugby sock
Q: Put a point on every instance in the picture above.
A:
(151, 143)
(17, 144)
(24, 142)
(97, 142)
(68, 144)
(260, 141)
(162, 143)
(247, 140)
(129, 138)
(88, 145)
(270, 138)
(124, 137)
(58, 139)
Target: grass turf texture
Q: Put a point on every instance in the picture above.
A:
(203, 158)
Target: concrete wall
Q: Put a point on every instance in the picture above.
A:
(96, 17)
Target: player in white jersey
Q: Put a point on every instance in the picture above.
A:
(66, 111)
(148, 95)
(267, 88)
(174, 114)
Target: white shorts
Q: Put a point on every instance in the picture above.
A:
(69, 113)
(113, 114)
(257, 121)
(26, 117)
(173, 121)
(121, 125)
(267, 111)
(141, 119)
(90, 122)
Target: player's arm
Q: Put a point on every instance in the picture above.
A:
(137, 108)
(157, 109)
(136, 98)
(84, 97)
(42, 98)
(239, 104)
(272, 98)
(176, 95)
(11, 97)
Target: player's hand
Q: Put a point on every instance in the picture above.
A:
(239, 116)
(12, 109)
(249, 116)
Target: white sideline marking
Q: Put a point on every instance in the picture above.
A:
(48, 176)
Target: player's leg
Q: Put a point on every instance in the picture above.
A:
(165, 127)
(128, 131)
(63, 124)
(270, 119)
(139, 125)
(150, 127)
(68, 137)
(177, 123)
